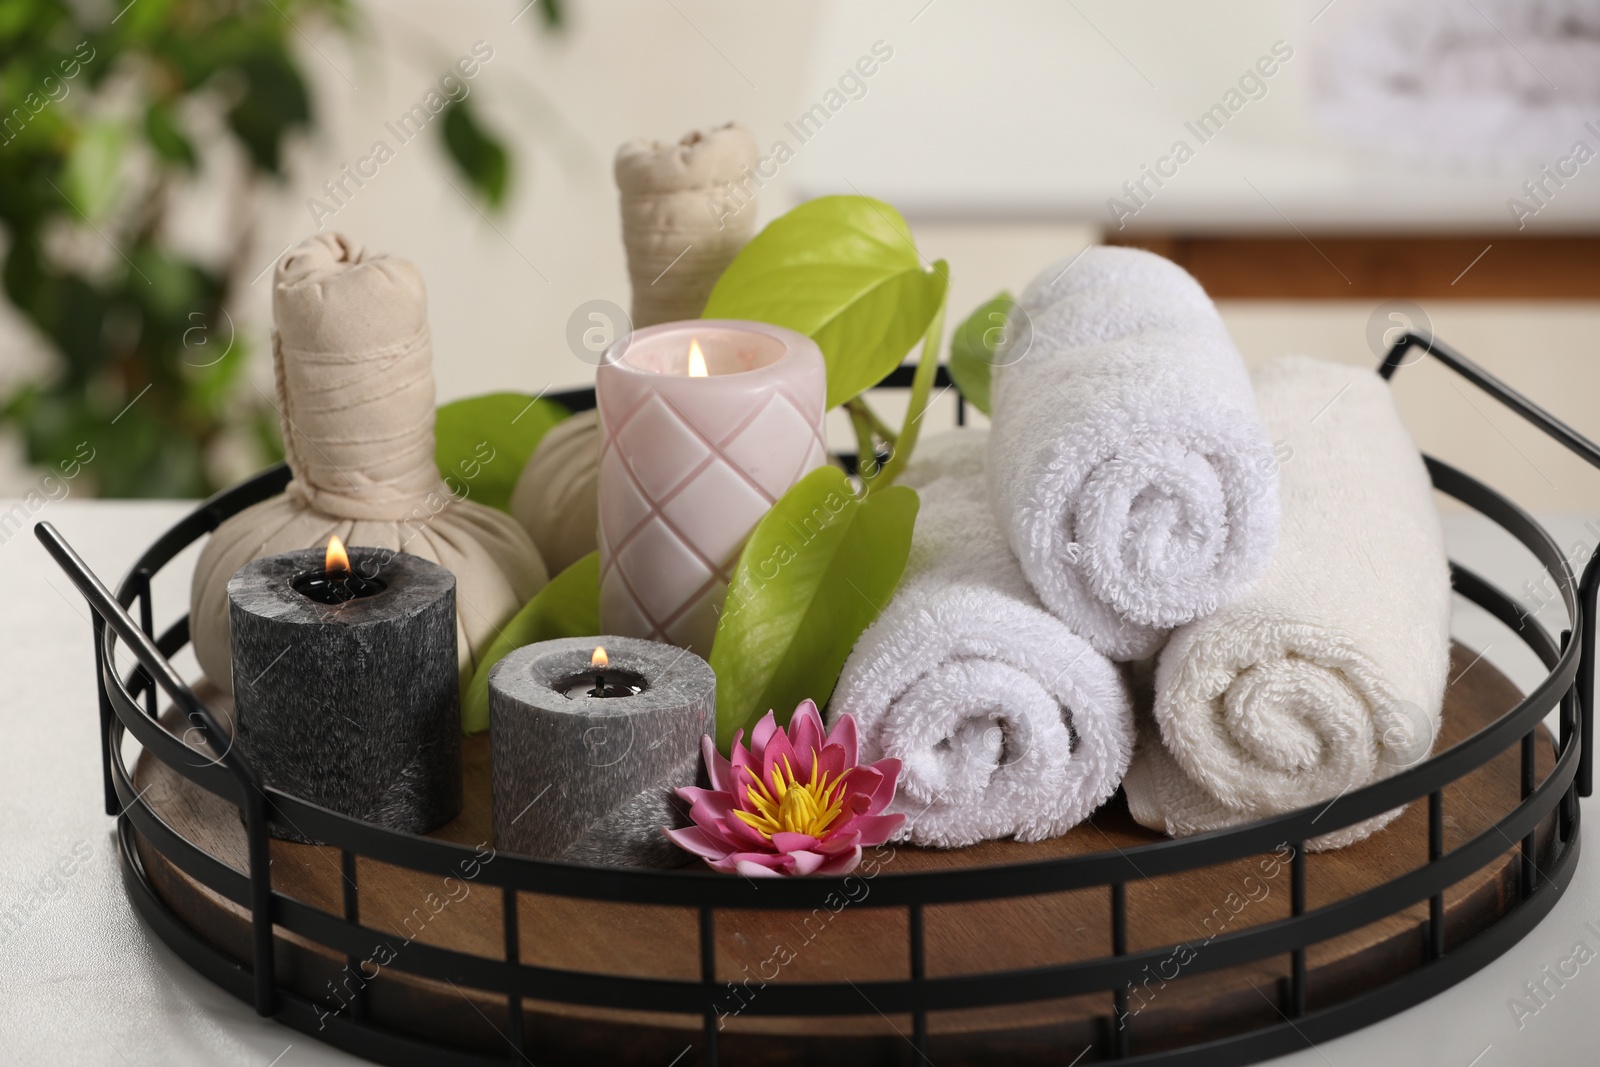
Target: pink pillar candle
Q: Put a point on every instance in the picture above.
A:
(693, 453)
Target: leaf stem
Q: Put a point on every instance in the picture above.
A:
(861, 422)
(881, 429)
(921, 385)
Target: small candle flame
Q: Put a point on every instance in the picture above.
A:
(697, 360)
(337, 560)
(600, 661)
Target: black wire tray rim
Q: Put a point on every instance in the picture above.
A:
(974, 989)
(1290, 1034)
(690, 887)
(935, 886)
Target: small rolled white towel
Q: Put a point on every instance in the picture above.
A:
(1129, 467)
(1330, 673)
(1005, 722)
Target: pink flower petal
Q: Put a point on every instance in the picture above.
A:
(710, 808)
(889, 771)
(739, 788)
(832, 762)
(717, 767)
(762, 735)
(806, 862)
(739, 757)
(763, 866)
(777, 752)
(693, 794)
(792, 842)
(697, 840)
(877, 829)
(744, 836)
(805, 734)
(837, 843)
(861, 787)
(843, 863)
(843, 734)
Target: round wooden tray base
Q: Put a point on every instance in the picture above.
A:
(861, 944)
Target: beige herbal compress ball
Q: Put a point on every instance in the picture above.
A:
(688, 207)
(354, 369)
(557, 498)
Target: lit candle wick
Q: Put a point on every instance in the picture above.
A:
(336, 583)
(697, 360)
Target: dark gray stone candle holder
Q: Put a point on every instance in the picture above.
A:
(352, 706)
(591, 780)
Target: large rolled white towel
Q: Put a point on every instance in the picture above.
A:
(1005, 722)
(1330, 673)
(1128, 464)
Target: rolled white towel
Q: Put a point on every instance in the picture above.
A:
(1005, 722)
(1330, 673)
(1129, 467)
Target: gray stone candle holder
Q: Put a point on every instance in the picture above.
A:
(591, 780)
(352, 706)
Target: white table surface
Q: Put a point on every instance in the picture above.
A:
(83, 981)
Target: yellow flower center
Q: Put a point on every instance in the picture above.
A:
(794, 807)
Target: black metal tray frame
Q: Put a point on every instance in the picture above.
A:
(1569, 684)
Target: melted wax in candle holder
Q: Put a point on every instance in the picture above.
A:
(602, 682)
(336, 587)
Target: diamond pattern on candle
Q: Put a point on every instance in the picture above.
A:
(621, 513)
(694, 513)
(679, 570)
(694, 617)
(660, 446)
(748, 448)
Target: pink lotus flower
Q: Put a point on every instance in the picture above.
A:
(795, 803)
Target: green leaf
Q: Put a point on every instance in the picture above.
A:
(816, 571)
(478, 153)
(972, 349)
(569, 606)
(275, 103)
(553, 13)
(905, 442)
(482, 443)
(167, 137)
(844, 271)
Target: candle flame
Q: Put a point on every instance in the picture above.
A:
(337, 560)
(599, 660)
(697, 360)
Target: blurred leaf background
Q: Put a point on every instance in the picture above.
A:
(103, 119)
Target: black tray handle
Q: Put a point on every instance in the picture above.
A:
(1578, 445)
(256, 804)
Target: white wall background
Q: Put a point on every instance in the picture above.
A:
(502, 289)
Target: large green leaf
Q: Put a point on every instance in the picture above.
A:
(569, 606)
(844, 271)
(816, 571)
(972, 349)
(482, 443)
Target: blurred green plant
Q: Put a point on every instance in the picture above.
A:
(107, 114)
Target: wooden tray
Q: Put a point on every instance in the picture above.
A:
(860, 943)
